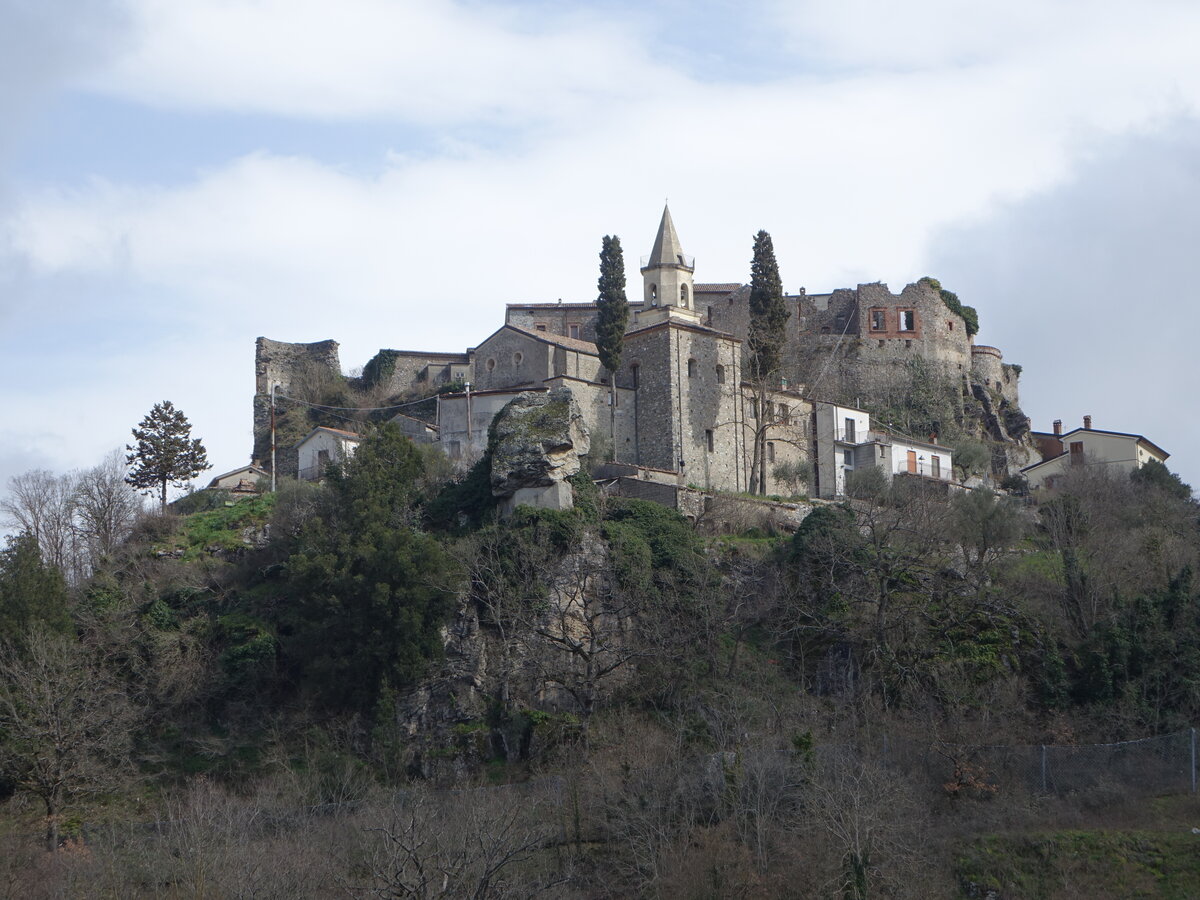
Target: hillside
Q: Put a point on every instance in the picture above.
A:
(376, 687)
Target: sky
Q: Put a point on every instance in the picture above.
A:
(179, 178)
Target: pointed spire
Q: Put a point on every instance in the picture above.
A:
(667, 249)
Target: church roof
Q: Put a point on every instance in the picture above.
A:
(717, 288)
(667, 249)
(558, 340)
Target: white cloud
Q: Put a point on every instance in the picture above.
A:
(926, 121)
(434, 61)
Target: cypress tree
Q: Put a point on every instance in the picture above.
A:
(768, 313)
(612, 305)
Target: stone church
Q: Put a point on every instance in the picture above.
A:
(677, 412)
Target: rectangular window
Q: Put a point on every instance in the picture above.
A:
(754, 407)
(1076, 452)
(878, 320)
(455, 450)
(540, 327)
(574, 331)
(785, 414)
(908, 320)
(770, 451)
(708, 438)
(912, 462)
(850, 430)
(935, 466)
(848, 457)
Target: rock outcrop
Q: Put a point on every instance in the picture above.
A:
(536, 443)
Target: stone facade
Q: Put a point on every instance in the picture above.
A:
(678, 403)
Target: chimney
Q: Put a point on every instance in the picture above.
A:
(1087, 423)
(1058, 427)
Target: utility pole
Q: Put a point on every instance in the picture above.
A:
(273, 386)
(468, 414)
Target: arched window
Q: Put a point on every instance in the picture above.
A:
(720, 374)
(691, 368)
(683, 297)
(654, 295)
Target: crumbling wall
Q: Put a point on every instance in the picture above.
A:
(289, 366)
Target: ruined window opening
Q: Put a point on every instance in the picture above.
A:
(691, 368)
(824, 329)
(878, 320)
(908, 320)
(683, 297)
(770, 451)
(540, 326)
(708, 437)
(720, 374)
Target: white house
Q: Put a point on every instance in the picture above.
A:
(1117, 451)
(323, 446)
(844, 441)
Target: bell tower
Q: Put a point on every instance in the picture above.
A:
(667, 278)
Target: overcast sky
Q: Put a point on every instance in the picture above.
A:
(178, 177)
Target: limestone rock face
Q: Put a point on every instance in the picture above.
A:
(537, 441)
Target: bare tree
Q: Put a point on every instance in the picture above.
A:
(43, 504)
(872, 824)
(105, 507)
(462, 844)
(65, 724)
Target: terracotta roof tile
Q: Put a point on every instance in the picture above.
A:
(559, 340)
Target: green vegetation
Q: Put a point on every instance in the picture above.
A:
(317, 687)
(1068, 864)
(968, 313)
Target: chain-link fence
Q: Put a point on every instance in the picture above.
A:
(1156, 765)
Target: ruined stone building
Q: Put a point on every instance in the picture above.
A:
(678, 411)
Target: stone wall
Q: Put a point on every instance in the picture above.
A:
(285, 364)
(415, 369)
(688, 411)
(510, 359)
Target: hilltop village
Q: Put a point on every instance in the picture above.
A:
(869, 379)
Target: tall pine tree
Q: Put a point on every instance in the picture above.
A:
(768, 316)
(768, 313)
(612, 305)
(612, 317)
(165, 452)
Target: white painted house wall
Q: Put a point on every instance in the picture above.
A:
(321, 447)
